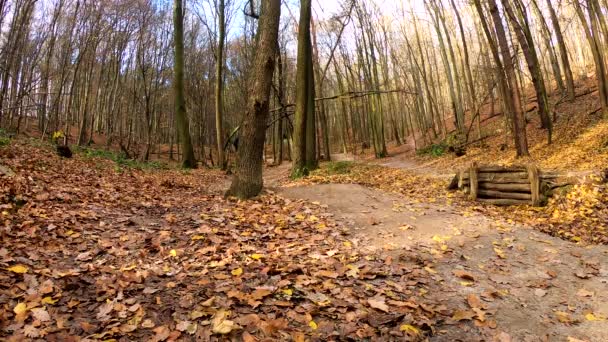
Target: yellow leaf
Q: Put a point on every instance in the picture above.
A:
(347, 244)
(499, 252)
(313, 218)
(313, 325)
(48, 300)
(466, 283)
(430, 270)
(20, 309)
(173, 253)
(287, 292)
(592, 317)
(237, 272)
(18, 269)
(256, 256)
(198, 237)
(409, 329)
(128, 268)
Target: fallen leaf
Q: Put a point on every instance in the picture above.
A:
(462, 315)
(464, 275)
(585, 293)
(41, 314)
(499, 252)
(237, 272)
(187, 326)
(221, 325)
(378, 303)
(410, 329)
(540, 292)
(563, 317)
(48, 300)
(256, 256)
(313, 325)
(20, 309)
(18, 269)
(592, 317)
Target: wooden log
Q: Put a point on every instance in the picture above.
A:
(488, 176)
(454, 182)
(473, 180)
(504, 195)
(503, 202)
(534, 184)
(461, 179)
(501, 169)
(465, 182)
(507, 187)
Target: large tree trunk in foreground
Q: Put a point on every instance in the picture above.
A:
(247, 181)
(188, 159)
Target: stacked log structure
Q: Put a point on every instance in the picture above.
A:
(506, 185)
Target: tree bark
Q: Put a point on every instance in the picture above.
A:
(304, 149)
(563, 52)
(188, 158)
(247, 181)
(219, 84)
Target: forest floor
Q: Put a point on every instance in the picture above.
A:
(100, 250)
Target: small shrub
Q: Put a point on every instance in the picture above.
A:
(5, 138)
(299, 173)
(434, 150)
(4, 141)
(121, 159)
(339, 167)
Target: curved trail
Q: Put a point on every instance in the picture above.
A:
(532, 287)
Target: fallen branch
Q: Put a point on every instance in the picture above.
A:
(350, 95)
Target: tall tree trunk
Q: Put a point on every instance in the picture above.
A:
(304, 129)
(563, 51)
(188, 158)
(247, 181)
(219, 84)
(527, 46)
(505, 73)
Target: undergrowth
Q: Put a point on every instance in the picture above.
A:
(120, 159)
(5, 139)
(338, 167)
(434, 150)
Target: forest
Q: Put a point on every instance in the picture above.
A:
(303, 170)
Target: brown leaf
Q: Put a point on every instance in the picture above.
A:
(462, 315)
(41, 314)
(247, 337)
(464, 275)
(327, 274)
(585, 293)
(162, 333)
(221, 325)
(30, 331)
(474, 301)
(378, 303)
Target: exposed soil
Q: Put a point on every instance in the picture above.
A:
(536, 287)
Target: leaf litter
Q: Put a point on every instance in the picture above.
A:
(90, 250)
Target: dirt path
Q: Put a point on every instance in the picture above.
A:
(532, 287)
